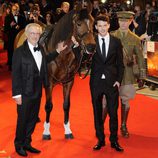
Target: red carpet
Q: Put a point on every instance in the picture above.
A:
(143, 141)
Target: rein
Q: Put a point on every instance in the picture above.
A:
(84, 51)
(87, 61)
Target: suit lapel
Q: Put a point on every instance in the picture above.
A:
(42, 62)
(110, 45)
(13, 18)
(28, 51)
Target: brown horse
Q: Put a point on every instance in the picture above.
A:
(63, 69)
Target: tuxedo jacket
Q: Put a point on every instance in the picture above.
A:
(27, 80)
(12, 31)
(112, 67)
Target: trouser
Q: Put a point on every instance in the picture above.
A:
(124, 110)
(26, 121)
(112, 104)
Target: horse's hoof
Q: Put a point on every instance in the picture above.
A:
(46, 137)
(69, 136)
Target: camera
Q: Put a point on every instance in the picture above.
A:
(153, 18)
(35, 13)
(135, 11)
(28, 13)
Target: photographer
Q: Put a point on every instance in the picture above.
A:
(152, 29)
(138, 25)
(113, 9)
(96, 8)
(64, 9)
(34, 16)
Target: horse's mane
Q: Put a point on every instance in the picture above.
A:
(63, 29)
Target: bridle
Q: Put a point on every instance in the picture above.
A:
(83, 53)
(87, 62)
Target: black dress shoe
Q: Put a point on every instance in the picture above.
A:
(21, 151)
(117, 147)
(31, 149)
(99, 145)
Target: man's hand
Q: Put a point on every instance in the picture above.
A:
(12, 24)
(74, 41)
(135, 23)
(17, 27)
(145, 37)
(116, 84)
(18, 100)
(61, 47)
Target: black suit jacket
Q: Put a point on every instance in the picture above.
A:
(12, 31)
(112, 67)
(26, 78)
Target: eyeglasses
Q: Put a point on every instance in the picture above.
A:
(34, 34)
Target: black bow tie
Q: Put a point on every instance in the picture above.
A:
(36, 49)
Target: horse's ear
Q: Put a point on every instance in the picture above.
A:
(77, 5)
(89, 7)
(80, 4)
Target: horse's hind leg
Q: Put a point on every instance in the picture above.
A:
(48, 109)
(66, 106)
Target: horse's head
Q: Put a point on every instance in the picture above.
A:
(83, 32)
(82, 4)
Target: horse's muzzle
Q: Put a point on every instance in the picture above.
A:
(90, 48)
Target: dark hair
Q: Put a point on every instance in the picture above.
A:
(52, 20)
(102, 18)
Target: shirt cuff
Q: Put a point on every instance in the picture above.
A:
(17, 96)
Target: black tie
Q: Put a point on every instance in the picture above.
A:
(36, 49)
(103, 49)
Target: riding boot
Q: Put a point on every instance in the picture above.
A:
(124, 116)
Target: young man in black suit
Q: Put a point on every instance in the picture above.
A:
(29, 73)
(106, 76)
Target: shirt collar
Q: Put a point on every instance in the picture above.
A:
(31, 46)
(105, 37)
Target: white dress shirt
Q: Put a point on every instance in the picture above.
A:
(107, 41)
(16, 18)
(37, 55)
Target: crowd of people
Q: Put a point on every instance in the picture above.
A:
(17, 14)
(119, 30)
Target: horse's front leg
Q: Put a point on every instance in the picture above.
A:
(66, 106)
(48, 109)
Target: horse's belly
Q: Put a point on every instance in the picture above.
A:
(62, 72)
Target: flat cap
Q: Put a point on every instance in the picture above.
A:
(125, 14)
